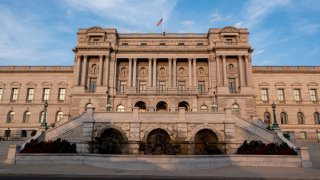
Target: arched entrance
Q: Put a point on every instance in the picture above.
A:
(111, 142)
(162, 106)
(185, 105)
(141, 105)
(206, 142)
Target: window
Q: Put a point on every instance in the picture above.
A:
(143, 44)
(235, 108)
(296, 94)
(10, 117)
(203, 108)
(14, 94)
(46, 93)
(96, 41)
(316, 116)
(318, 134)
(123, 86)
(303, 135)
(125, 45)
(280, 94)
(142, 86)
(41, 118)
(264, 94)
(199, 45)
(162, 86)
(1, 93)
(62, 94)
(7, 133)
(93, 84)
(162, 44)
(284, 118)
(313, 95)
(181, 44)
(30, 94)
(232, 85)
(181, 86)
(201, 87)
(267, 118)
(23, 133)
(59, 116)
(228, 41)
(300, 118)
(26, 117)
(120, 108)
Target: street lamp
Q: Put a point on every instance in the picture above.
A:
(44, 122)
(108, 102)
(275, 124)
(214, 107)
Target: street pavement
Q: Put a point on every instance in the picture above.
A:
(68, 172)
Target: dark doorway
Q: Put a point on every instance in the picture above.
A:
(111, 142)
(206, 142)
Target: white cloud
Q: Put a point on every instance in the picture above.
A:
(308, 28)
(187, 23)
(216, 17)
(135, 12)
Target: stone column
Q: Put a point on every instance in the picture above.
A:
(190, 72)
(130, 72)
(209, 68)
(241, 78)
(100, 77)
(107, 70)
(134, 72)
(84, 71)
(150, 72)
(154, 72)
(78, 78)
(224, 70)
(247, 71)
(170, 72)
(218, 71)
(194, 72)
(174, 72)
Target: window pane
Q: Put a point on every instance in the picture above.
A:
(264, 94)
(59, 116)
(201, 87)
(46, 93)
(296, 94)
(232, 84)
(30, 94)
(1, 93)
(123, 86)
(93, 84)
(313, 95)
(15, 92)
(62, 92)
(280, 93)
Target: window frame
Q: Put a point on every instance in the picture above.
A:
(45, 97)
(313, 96)
(62, 96)
(30, 94)
(14, 94)
(280, 94)
(264, 94)
(297, 95)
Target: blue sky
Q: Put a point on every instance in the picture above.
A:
(38, 32)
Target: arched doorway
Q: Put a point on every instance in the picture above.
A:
(111, 142)
(185, 105)
(162, 106)
(206, 142)
(141, 105)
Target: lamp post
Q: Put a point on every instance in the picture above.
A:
(44, 122)
(275, 124)
(108, 106)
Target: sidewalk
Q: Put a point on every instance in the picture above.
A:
(224, 173)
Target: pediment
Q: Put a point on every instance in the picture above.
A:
(296, 84)
(264, 84)
(280, 84)
(312, 84)
(31, 84)
(95, 29)
(46, 84)
(15, 84)
(62, 83)
(229, 29)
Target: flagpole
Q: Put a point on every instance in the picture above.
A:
(163, 25)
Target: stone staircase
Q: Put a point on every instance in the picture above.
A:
(4, 148)
(314, 150)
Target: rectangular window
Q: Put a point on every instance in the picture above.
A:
(303, 135)
(30, 94)
(142, 86)
(296, 94)
(201, 87)
(313, 95)
(123, 86)
(181, 86)
(125, 45)
(162, 86)
(46, 93)
(7, 133)
(143, 45)
(23, 133)
(162, 45)
(280, 94)
(93, 84)
(14, 94)
(199, 45)
(1, 93)
(62, 94)
(232, 85)
(264, 94)
(229, 41)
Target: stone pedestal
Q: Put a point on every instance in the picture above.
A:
(12, 151)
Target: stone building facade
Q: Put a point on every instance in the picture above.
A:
(183, 84)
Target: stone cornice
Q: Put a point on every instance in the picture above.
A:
(286, 69)
(37, 69)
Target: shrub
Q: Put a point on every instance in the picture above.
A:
(57, 146)
(259, 148)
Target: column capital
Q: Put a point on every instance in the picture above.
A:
(134, 59)
(190, 59)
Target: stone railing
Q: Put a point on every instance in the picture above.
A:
(68, 69)
(286, 69)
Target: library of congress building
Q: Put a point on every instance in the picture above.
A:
(186, 86)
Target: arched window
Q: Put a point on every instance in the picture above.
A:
(204, 108)
(120, 108)
(185, 105)
(26, 117)
(267, 117)
(284, 118)
(10, 116)
(59, 116)
(141, 105)
(235, 108)
(162, 106)
(300, 118)
(41, 117)
(316, 116)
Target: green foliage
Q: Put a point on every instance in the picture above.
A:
(259, 148)
(57, 146)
